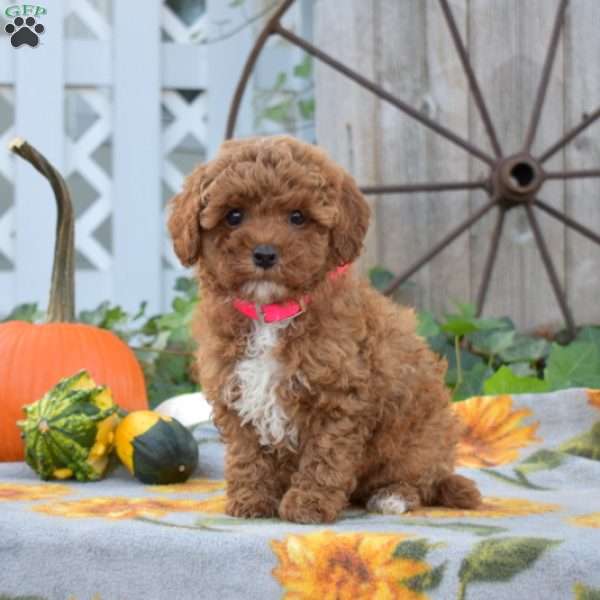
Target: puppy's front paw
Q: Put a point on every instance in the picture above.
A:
(302, 506)
(251, 508)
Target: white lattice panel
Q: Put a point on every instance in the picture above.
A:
(6, 171)
(184, 27)
(79, 155)
(184, 131)
(113, 65)
(183, 144)
(88, 19)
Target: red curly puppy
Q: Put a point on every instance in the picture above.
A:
(322, 391)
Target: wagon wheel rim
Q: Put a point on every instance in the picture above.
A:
(514, 180)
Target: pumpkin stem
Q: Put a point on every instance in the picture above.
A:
(61, 308)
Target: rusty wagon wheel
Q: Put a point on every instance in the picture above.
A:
(514, 181)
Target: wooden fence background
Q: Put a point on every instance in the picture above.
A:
(155, 103)
(406, 48)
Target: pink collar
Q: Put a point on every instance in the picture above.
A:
(271, 313)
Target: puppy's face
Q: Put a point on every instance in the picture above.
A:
(265, 244)
(268, 218)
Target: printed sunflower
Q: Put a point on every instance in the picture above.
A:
(192, 486)
(593, 397)
(494, 432)
(490, 508)
(589, 520)
(15, 492)
(215, 504)
(119, 507)
(353, 565)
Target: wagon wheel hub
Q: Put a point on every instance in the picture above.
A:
(517, 179)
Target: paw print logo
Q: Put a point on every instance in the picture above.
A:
(24, 31)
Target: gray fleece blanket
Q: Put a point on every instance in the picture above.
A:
(536, 459)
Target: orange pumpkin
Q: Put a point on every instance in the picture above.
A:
(33, 358)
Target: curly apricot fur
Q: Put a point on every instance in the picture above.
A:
(364, 392)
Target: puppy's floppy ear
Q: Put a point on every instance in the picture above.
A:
(184, 227)
(352, 223)
(184, 220)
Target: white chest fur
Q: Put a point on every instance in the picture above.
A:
(257, 377)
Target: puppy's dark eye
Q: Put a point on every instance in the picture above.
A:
(297, 218)
(234, 217)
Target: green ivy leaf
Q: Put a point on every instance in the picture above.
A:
(304, 68)
(456, 325)
(105, 316)
(183, 309)
(413, 550)
(504, 381)
(523, 369)
(440, 345)
(589, 334)
(427, 325)
(160, 387)
(24, 312)
(174, 366)
(380, 278)
(492, 342)
(525, 349)
(164, 346)
(425, 581)
(472, 382)
(280, 112)
(177, 322)
(500, 559)
(188, 286)
(468, 361)
(586, 445)
(140, 312)
(576, 365)
(483, 324)
(542, 460)
(281, 80)
(307, 108)
(466, 321)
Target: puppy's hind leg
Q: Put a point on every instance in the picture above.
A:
(394, 499)
(456, 491)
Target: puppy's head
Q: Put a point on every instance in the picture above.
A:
(268, 218)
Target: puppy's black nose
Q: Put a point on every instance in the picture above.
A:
(264, 256)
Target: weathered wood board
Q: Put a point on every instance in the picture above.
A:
(406, 48)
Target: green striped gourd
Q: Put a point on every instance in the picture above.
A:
(70, 431)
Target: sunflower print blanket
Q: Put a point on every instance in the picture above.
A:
(536, 459)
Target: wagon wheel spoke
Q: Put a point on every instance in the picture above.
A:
(543, 87)
(491, 260)
(567, 221)
(383, 94)
(440, 246)
(547, 260)
(249, 66)
(573, 174)
(409, 188)
(473, 84)
(500, 179)
(565, 139)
